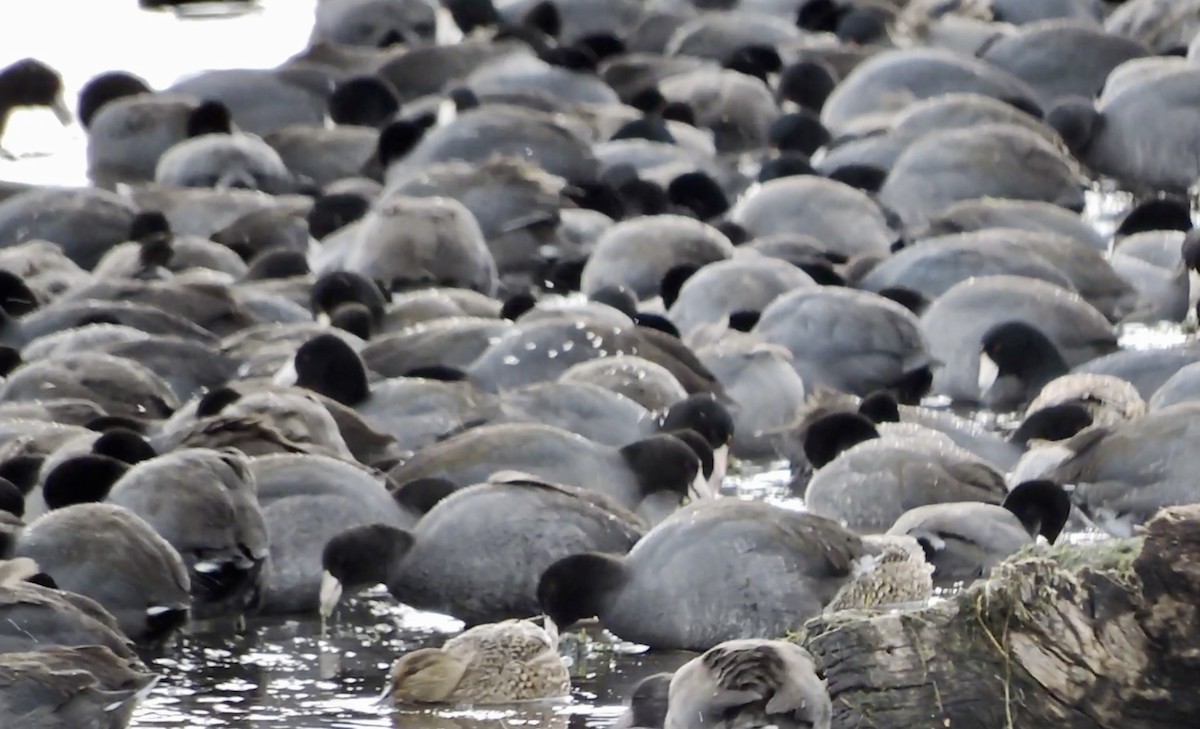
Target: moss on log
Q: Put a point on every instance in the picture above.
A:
(1071, 637)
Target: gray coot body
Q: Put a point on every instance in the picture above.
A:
(134, 573)
(203, 503)
(956, 321)
(869, 485)
(688, 562)
(1124, 473)
(306, 501)
(965, 540)
(652, 473)
(851, 341)
(462, 561)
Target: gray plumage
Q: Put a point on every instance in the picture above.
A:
(131, 568)
(307, 500)
(467, 563)
(841, 218)
(869, 486)
(851, 341)
(955, 323)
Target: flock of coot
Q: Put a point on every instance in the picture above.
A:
(479, 301)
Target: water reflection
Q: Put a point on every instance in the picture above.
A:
(283, 673)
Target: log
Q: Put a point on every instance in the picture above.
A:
(1069, 637)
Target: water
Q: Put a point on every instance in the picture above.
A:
(283, 673)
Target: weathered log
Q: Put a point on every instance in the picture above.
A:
(1069, 637)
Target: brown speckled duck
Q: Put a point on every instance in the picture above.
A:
(494, 663)
(70, 688)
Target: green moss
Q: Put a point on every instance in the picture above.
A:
(1114, 556)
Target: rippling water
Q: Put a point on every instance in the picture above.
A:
(284, 673)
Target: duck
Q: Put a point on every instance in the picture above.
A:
(493, 663)
(850, 341)
(866, 482)
(413, 410)
(298, 416)
(748, 682)
(1122, 474)
(1102, 133)
(646, 476)
(135, 574)
(756, 541)
(307, 500)
(89, 685)
(210, 515)
(30, 82)
(459, 561)
(1107, 399)
(620, 259)
(840, 218)
(956, 321)
(947, 162)
(965, 540)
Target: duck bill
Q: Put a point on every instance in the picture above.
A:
(385, 696)
(551, 629)
(287, 375)
(988, 372)
(720, 466)
(331, 593)
(59, 107)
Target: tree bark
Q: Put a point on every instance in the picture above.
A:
(1070, 637)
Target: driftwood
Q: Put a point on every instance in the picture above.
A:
(1070, 637)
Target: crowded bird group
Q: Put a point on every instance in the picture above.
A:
(480, 301)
